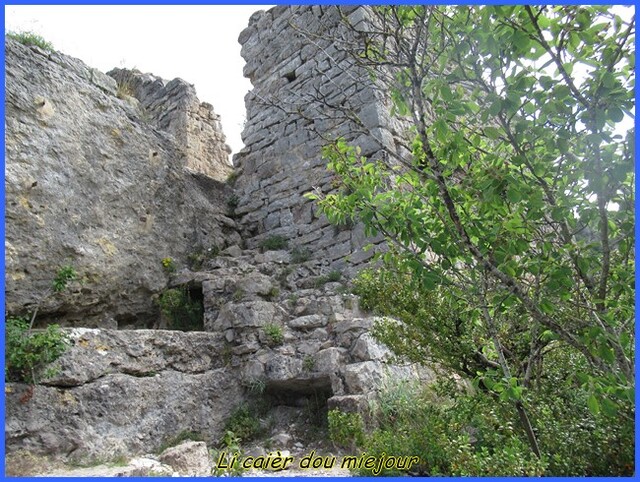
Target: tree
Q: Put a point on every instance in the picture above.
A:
(512, 190)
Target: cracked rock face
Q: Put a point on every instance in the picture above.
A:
(93, 184)
(123, 392)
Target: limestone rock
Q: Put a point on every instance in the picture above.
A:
(188, 459)
(148, 388)
(90, 183)
(366, 348)
(363, 377)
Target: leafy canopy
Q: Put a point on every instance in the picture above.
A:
(512, 186)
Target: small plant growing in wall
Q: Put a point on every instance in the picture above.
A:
(168, 265)
(232, 204)
(181, 310)
(273, 293)
(300, 255)
(308, 364)
(274, 333)
(333, 277)
(200, 256)
(274, 243)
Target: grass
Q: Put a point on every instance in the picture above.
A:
(274, 243)
(332, 277)
(31, 38)
(308, 364)
(300, 255)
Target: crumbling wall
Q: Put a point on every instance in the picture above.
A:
(306, 90)
(173, 107)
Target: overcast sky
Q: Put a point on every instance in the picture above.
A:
(198, 43)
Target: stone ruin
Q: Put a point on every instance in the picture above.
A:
(115, 172)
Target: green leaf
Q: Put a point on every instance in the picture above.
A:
(513, 194)
(491, 132)
(594, 406)
(615, 114)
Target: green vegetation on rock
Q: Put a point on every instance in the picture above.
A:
(181, 310)
(31, 38)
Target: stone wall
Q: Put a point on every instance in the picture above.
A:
(305, 86)
(173, 107)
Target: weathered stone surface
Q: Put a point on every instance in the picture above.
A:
(173, 107)
(244, 315)
(363, 377)
(145, 389)
(91, 184)
(188, 459)
(292, 60)
(255, 284)
(366, 348)
(308, 322)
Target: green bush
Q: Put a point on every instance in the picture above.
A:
(28, 354)
(244, 424)
(274, 333)
(475, 435)
(31, 38)
(182, 312)
(300, 255)
(346, 429)
(274, 243)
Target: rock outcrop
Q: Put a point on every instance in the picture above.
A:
(273, 324)
(91, 182)
(123, 392)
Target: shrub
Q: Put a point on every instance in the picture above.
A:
(27, 354)
(182, 312)
(274, 243)
(31, 38)
(346, 429)
(244, 424)
(230, 445)
(274, 333)
(308, 364)
(300, 255)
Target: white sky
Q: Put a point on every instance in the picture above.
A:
(198, 43)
